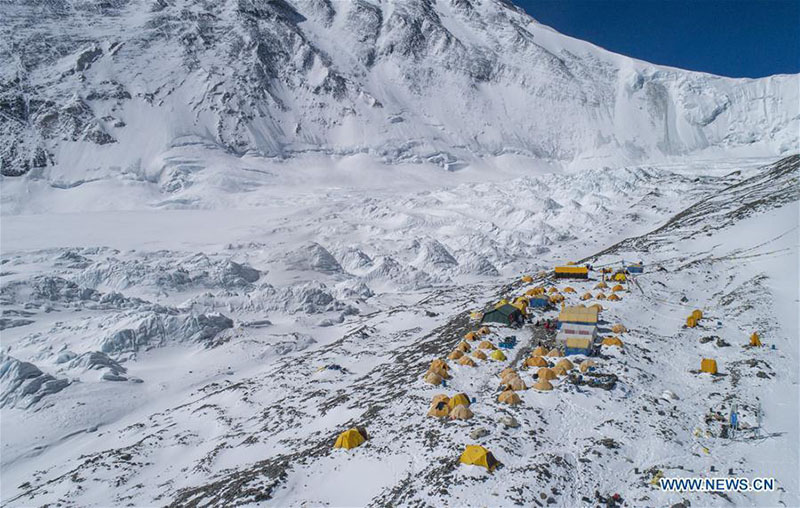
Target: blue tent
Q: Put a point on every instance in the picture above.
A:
(538, 301)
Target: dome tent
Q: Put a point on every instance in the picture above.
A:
(349, 439)
(509, 397)
(475, 455)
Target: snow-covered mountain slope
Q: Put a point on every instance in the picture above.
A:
(163, 358)
(119, 89)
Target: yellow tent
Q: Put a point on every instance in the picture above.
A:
(497, 355)
(564, 362)
(532, 292)
(509, 397)
(612, 341)
(691, 322)
(484, 330)
(536, 361)
(620, 277)
(527, 279)
(618, 287)
(486, 345)
(439, 363)
(539, 351)
(586, 296)
(556, 298)
(555, 353)
(543, 385)
(596, 306)
(601, 285)
(437, 368)
(586, 364)
(546, 374)
(600, 296)
(455, 355)
(461, 413)
(463, 347)
(480, 355)
(458, 399)
(569, 289)
(439, 398)
(466, 361)
(471, 336)
(619, 328)
(559, 370)
(475, 455)
(697, 314)
(433, 378)
(516, 384)
(439, 409)
(708, 365)
(349, 439)
(614, 297)
(505, 372)
(755, 340)
(553, 290)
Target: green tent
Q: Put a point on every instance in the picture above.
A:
(505, 314)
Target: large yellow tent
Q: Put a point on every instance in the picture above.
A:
(509, 397)
(564, 362)
(455, 355)
(349, 439)
(546, 374)
(612, 341)
(708, 365)
(459, 399)
(439, 409)
(691, 322)
(498, 355)
(536, 361)
(755, 340)
(466, 361)
(461, 412)
(480, 355)
(475, 455)
(697, 314)
(433, 378)
(516, 384)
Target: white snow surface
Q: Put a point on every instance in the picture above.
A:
(204, 206)
(184, 346)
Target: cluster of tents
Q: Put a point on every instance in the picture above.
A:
(455, 407)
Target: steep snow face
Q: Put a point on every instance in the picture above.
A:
(447, 82)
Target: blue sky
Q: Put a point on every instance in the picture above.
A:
(736, 38)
